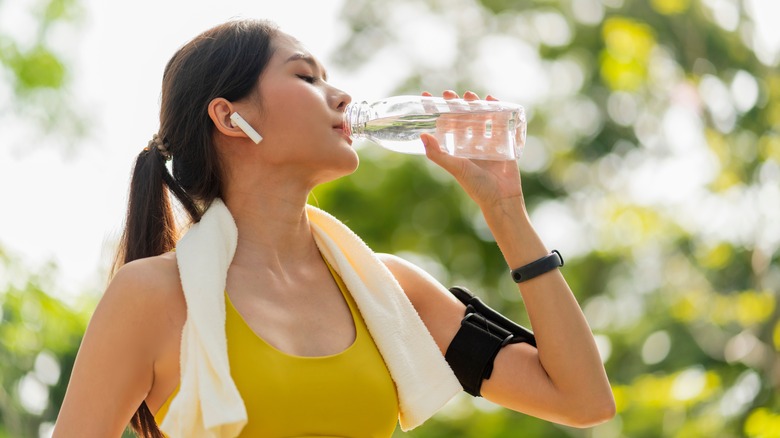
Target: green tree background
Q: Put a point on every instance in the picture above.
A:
(652, 163)
(39, 334)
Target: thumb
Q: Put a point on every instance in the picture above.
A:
(433, 149)
(439, 155)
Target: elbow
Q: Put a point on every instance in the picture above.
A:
(592, 412)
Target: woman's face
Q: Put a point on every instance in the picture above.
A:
(300, 114)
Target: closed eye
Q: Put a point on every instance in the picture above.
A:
(309, 79)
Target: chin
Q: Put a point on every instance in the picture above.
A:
(350, 167)
(340, 165)
(348, 160)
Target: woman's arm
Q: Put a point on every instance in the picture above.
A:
(564, 380)
(114, 368)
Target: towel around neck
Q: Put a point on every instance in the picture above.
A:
(208, 403)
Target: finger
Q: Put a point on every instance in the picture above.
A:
(433, 149)
(470, 95)
(429, 105)
(450, 95)
(454, 165)
(477, 128)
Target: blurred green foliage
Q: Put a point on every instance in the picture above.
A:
(32, 62)
(39, 334)
(652, 162)
(33, 68)
(653, 144)
(39, 337)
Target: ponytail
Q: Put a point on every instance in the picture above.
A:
(225, 61)
(150, 224)
(150, 230)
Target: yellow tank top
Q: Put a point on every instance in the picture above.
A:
(347, 394)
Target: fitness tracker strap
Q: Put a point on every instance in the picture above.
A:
(536, 268)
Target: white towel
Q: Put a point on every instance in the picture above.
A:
(208, 403)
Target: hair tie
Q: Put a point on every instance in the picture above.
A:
(157, 143)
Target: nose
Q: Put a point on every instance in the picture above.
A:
(340, 99)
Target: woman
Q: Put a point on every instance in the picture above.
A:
(290, 316)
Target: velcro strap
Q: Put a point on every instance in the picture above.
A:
(473, 350)
(521, 334)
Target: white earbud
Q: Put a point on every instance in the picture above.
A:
(248, 130)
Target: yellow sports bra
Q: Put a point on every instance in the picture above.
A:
(347, 394)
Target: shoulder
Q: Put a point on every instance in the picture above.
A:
(143, 309)
(134, 324)
(156, 273)
(420, 286)
(147, 290)
(152, 278)
(438, 308)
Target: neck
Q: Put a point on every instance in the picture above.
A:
(273, 229)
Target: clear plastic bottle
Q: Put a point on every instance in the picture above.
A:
(480, 129)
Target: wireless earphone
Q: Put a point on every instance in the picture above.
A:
(244, 126)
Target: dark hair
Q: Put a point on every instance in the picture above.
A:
(225, 61)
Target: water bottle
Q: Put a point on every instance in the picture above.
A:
(479, 129)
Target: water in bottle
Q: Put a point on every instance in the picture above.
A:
(479, 129)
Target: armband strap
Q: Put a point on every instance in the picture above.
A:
(520, 333)
(483, 332)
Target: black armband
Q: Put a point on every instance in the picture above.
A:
(483, 332)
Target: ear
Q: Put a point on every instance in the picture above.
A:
(220, 110)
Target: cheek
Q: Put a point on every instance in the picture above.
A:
(288, 109)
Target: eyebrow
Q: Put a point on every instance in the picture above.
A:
(309, 60)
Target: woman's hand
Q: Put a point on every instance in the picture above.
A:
(489, 183)
(563, 379)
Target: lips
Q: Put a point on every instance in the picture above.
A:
(340, 129)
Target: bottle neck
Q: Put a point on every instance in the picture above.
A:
(356, 115)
